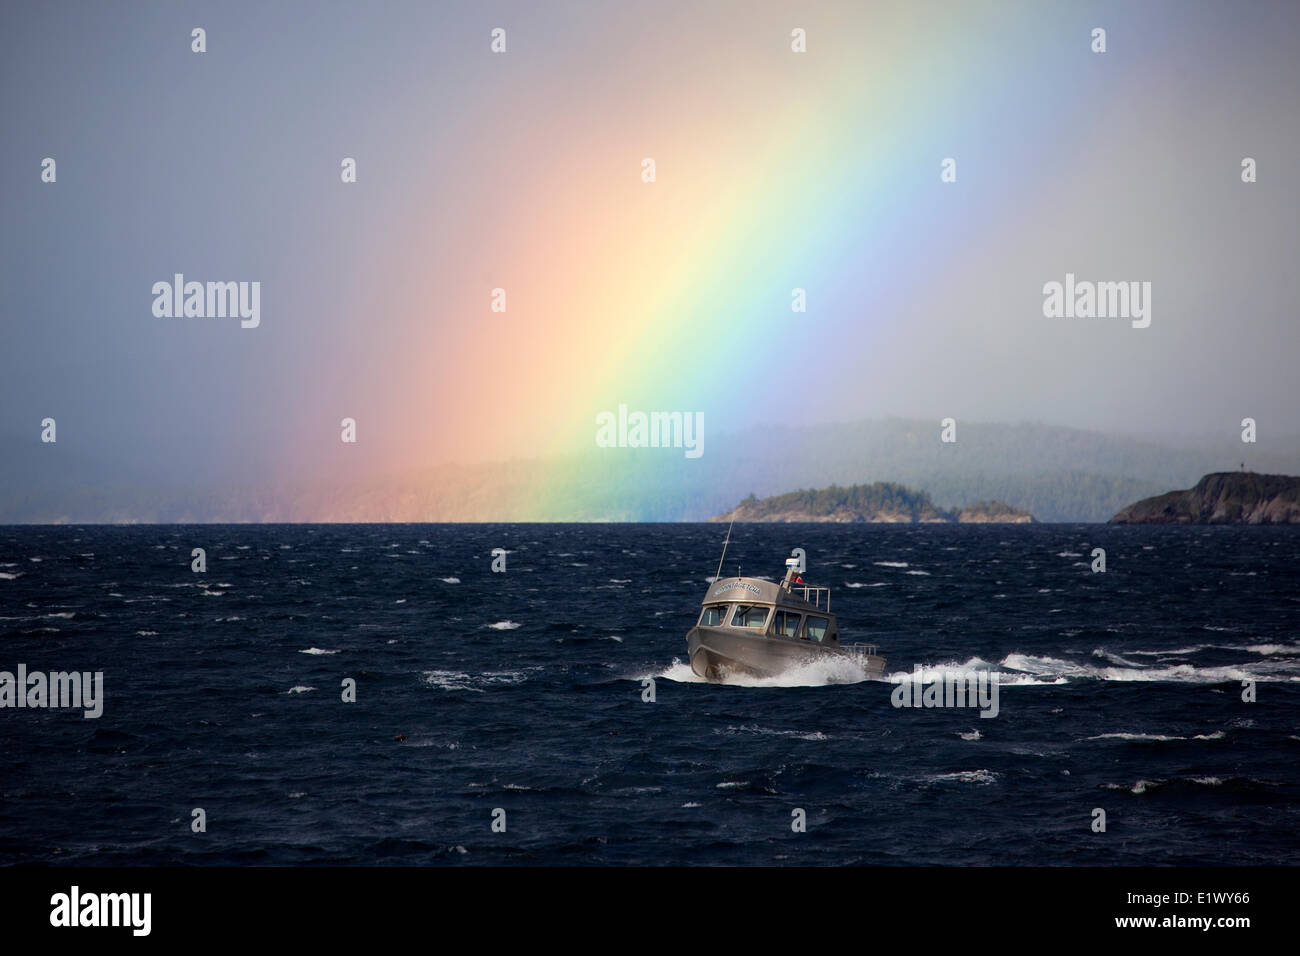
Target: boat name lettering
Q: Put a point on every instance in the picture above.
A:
(728, 587)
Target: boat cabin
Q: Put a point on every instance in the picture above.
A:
(788, 610)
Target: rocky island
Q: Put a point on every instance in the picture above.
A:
(1225, 497)
(883, 502)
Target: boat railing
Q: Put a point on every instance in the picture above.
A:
(860, 650)
(816, 595)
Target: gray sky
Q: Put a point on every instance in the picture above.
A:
(224, 166)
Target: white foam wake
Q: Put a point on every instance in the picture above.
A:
(815, 673)
(1031, 670)
(1051, 669)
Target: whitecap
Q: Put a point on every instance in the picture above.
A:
(475, 683)
(980, 777)
(755, 729)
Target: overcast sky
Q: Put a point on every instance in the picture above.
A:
(479, 170)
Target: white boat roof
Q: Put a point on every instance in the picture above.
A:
(760, 591)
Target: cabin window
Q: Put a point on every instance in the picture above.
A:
(713, 615)
(786, 624)
(745, 616)
(817, 628)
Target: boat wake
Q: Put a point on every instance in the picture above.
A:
(1028, 669)
(815, 673)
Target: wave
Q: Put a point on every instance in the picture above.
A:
(977, 777)
(474, 683)
(1005, 678)
(821, 672)
(890, 564)
(1263, 649)
(980, 777)
(756, 730)
(877, 584)
(503, 626)
(1029, 669)
(1051, 669)
(678, 672)
(317, 650)
(1144, 786)
(1155, 738)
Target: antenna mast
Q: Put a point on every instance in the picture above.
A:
(724, 547)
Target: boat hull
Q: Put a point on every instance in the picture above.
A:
(719, 652)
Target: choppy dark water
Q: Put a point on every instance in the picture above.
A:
(523, 691)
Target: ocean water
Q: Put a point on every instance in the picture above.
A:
(522, 691)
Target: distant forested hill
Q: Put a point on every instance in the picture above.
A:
(880, 502)
(1056, 474)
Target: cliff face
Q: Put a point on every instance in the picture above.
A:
(1225, 497)
(879, 503)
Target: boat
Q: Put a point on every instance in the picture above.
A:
(756, 627)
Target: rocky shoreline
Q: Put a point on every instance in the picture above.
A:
(1225, 497)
